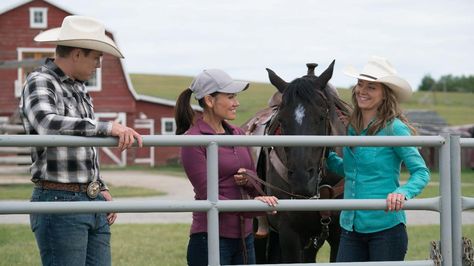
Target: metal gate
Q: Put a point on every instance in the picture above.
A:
(450, 204)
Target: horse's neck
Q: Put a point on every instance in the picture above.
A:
(337, 126)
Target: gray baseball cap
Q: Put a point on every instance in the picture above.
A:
(215, 80)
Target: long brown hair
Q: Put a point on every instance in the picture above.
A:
(386, 112)
(184, 113)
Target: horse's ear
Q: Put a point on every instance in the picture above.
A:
(278, 82)
(327, 74)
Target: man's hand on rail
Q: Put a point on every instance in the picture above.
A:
(126, 136)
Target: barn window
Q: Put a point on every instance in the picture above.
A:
(95, 83)
(168, 126)
(28, 60)
(39, 17)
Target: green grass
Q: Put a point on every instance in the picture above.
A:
(168, 87)
(165, 244)
(454, 107)
(432, 190)
(23, 191)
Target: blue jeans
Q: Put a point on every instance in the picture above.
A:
(387, 245)
(71, 239)
(230, 249)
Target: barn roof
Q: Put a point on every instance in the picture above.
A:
(22, 2)
(151, 99)
(136, 96)
(428, 122)
(426, 117)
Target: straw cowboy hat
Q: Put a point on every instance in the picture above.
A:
(81, 32)
(379, 69)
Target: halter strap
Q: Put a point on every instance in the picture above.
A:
(280, 167)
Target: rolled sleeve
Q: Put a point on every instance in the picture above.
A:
(414, 162)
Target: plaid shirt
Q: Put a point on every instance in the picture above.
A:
(54, 104)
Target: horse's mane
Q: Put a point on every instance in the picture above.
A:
(339, 103)
(301, 90)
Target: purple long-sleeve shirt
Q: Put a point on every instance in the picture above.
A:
(231, 159)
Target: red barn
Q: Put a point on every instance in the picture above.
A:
(111, 89)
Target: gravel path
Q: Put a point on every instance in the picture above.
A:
(178, 188)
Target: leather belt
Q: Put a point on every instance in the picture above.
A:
(72, 187)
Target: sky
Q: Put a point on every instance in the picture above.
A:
(243, 37)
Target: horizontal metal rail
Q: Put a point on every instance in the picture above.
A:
(163, 140)
(467, 203)
(377, 263)
(467, 142)
(22, 207)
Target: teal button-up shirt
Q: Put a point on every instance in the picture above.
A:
(373, 173)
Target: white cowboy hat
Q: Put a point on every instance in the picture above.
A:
(81, 32)
(379, 69)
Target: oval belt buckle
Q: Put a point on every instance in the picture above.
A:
(93, 189)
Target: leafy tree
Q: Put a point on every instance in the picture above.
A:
(448, 83)
(426, 83)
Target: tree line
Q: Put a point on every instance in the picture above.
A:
(447, 83)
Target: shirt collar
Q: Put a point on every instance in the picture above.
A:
(351, 130)
(205, 129)
(57, 72)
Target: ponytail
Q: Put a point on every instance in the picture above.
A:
(183, 113)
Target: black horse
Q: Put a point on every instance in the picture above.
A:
(308, 107)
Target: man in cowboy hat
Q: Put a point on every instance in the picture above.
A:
(55, 102)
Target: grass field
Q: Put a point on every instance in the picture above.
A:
(165, 244)
(456, 108)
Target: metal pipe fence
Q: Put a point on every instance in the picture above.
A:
(450, 204)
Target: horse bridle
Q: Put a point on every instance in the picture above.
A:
(283, 169)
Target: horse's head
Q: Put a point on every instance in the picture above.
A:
(304, 110)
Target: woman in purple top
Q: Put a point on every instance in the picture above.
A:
(216, 93)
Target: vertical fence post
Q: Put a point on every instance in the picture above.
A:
(213, 213)
(456, 200)
(445, 193)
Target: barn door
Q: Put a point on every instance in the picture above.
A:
(145, 155)
(113, 156)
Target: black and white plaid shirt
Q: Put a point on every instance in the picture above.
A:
(54, 104)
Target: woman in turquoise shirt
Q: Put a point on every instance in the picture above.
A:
(374, 172)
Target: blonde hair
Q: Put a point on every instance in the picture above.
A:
(386, 112)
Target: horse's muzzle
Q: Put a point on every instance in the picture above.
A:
(304, 183)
